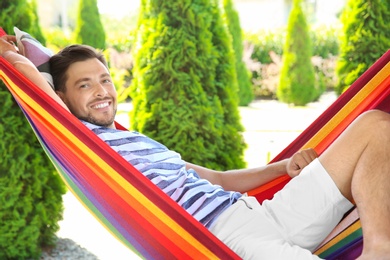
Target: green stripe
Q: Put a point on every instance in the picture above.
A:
(87, 203)
(344, 242)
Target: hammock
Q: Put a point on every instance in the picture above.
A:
(369, 91)
(131, 207)
(138, 213)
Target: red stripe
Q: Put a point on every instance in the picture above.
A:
(320, 122)
(138, 180)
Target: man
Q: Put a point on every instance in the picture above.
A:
(356, 167)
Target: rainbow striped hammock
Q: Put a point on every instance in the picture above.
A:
(139, 214)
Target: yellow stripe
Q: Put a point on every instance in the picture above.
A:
(349, 107)
(354, 227)
(153, 209)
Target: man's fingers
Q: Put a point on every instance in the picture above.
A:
(309, 155)
(304, 157)
(9, 38)
(7, 42)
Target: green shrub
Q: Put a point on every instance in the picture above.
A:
(35, 29)
(120, 78)
(232, 20)
(264, 42)
(56, 39)
(325, 40)
(120, 33)
(15, 13)
(184, 89)
(231, 150)
(297, 76)
(30, 189)
(89, 29)
(366, 37)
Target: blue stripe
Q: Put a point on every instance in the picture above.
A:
(167, 170)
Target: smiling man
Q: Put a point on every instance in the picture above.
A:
(86, 88)
(354, 168)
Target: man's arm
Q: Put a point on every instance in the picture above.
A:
(25, 66)
(244, 180)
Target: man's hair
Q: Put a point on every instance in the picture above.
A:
(60, 62)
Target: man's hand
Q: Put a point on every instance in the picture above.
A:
(7, 44)
(299, 161)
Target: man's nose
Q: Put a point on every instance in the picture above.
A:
(100, 91)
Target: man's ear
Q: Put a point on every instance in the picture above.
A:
(61, 95)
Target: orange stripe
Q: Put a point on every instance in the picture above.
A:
(371, 91)
(124, 189)
(355, 226)
(332, 129)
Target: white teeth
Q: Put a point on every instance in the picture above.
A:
(101, 105)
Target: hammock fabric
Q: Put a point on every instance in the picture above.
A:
(134, 210)
(138, 213)
(369, 91)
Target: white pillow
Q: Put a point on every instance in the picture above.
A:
(35, 52)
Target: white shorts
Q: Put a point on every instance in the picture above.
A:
(289, 226)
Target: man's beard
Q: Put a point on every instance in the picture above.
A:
(99, 122)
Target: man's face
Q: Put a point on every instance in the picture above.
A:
(90, 94)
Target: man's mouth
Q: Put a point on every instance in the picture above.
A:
(101, 105)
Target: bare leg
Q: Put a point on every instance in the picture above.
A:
(359, 163)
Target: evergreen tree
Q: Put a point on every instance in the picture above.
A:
(232, 20)
(35, 29)
(30, 189)
(89, 29)
(15, 13)
(225, 83)
(297, 77)
(366, 36)
(180, 97)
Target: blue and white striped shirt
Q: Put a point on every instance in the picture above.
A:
(167, 170)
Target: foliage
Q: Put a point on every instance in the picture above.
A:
(35, 29)
(264, 48)
(120, 32)
(325, 42)
(243, 75)
(57, 39)
(121, 79)
(297, 76)
(184, 89)
(267, 80)
(30, 190)
(89, 29)
(231, 150)
(264, 42)
(15, 13)
(366, 27)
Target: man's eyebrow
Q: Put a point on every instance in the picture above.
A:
(81, 80)
(105, 75)
(86, 78)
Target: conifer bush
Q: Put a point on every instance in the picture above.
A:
(231, 17)
(89, 29)
(297, 77)
(35, 29)
(184, 89)
(30, 189)
(366, 37)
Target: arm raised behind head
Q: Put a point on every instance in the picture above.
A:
(25, 66)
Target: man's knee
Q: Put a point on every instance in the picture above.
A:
(374, 121)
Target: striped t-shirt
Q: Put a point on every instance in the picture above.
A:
(167, 170)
